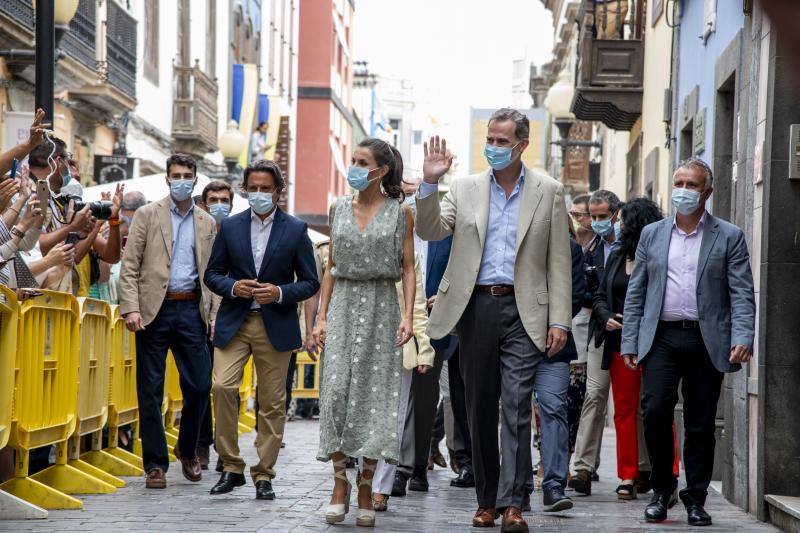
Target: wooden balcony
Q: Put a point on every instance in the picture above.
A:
(100, 72)
(194, 111)
(610, 69)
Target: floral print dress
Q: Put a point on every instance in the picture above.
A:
(361, 367)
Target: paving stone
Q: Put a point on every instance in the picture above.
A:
(303, 487)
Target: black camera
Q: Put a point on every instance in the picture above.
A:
(592, 274)
(99, 210)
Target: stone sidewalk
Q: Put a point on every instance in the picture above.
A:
(303, 486)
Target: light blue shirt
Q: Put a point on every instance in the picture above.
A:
(183, 275)
(500, 245)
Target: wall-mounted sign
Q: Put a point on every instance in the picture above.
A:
(699, 135)
(108, 168)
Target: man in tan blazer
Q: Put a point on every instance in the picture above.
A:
(507, 292)
(164, 301)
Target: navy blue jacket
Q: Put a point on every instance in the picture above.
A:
(288, 263)
(438, 256)
(570, 352)
(594, 257)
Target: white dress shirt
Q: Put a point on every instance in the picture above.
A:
(260, 231)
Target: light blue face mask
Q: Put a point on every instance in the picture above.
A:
(260, 202)
(66, 178)
(618, 231)
(219, 211)
(181, 190)
(499, 157)
(604, 228)
(685, 201)
(358, 177)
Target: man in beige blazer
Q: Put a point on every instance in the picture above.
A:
(507, 292)
(164, 301)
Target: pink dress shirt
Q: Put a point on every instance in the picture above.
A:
(680, 294)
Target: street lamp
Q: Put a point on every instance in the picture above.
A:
(64, 11)
(559, 105)
(231, 145)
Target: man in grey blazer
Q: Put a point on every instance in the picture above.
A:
(689, 317)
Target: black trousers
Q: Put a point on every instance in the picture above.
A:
(180, 328)
(458, 403)
(679, 358)
(423, 400)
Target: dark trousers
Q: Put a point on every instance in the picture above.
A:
(438, 426)
(679, 357)
(458, 403)
(422, 400)
(177, 327)
(206, 438)
(500, 364)
(290, 379)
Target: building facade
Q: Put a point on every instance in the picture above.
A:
(324, 107)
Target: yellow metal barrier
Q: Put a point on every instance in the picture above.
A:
(123, 404)
(45, 400)
(247, 420)
(300, 390)
(174, 397)
(93, 397)
(8, 351)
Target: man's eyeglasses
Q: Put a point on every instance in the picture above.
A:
(578, 214)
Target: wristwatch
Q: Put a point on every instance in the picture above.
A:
(17, 232)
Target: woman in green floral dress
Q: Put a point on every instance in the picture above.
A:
(360, 324)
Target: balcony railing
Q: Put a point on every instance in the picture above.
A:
(121, 49)
(610, 63)
(194, 110)
(20, 11)
(79, 41)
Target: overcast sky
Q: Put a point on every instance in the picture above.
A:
(457, 53)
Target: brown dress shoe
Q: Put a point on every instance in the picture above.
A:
(156, 479)
(453, 461)
(513, 521)
(484, 517)
(436, 458)
(190, 467)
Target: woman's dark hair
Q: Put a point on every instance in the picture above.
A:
(636, 214)
(386, 154)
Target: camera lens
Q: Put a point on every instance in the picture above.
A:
(100, 210)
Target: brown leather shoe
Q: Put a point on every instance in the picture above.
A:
(190, 467)
(513, 521)
(436, 458)
(454, 466)
(156, 479)
(484, 517)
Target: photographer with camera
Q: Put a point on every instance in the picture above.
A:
(67, 215)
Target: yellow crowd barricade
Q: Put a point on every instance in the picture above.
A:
(247, 419)
(93, 397)
(45, 400)
(11, 507)
(174, 402)
(123, 403)
(300, 390)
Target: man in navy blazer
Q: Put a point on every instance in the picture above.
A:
(262, 265)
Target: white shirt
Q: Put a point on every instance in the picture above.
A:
(260, 231)
(680, 293)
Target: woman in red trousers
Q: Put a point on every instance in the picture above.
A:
(608, 312)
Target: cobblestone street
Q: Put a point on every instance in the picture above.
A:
(302, 487)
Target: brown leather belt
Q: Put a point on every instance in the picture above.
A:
(496, 290)
(182, 296)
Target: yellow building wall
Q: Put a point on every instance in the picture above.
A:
(657, 50)
(613, 167)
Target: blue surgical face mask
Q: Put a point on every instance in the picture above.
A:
(260, 202)
(66, 178)
(499, 157)
(181, 190)
(618, 230)
(219, 211)
(604, 228)
(358, 177)
(686, 201)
